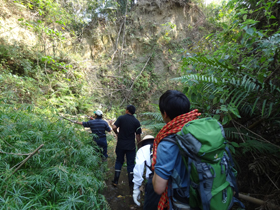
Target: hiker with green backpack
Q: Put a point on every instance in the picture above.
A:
(193, 169)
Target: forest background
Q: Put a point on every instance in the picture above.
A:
(68, 58)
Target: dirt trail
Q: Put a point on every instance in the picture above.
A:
(119, 198)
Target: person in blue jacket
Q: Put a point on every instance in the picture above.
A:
(98, 127)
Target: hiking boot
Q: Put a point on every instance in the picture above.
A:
(116, 178)
(130, 183)
(130, 178)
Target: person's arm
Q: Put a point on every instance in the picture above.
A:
(115, 129)
(159, 184)
(108, 128)
(139, 168)
(138, 172)
(80, 123)
(165, 164)
(138, 137)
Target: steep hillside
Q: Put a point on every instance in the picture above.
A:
(109, 62)
(136, 60)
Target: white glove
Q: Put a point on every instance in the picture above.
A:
(136, 196)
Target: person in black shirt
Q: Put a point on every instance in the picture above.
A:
(98, 127)
(128, 127)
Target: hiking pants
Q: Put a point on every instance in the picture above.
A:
(130, 158)
(102, 143)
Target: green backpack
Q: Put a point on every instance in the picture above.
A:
(209, 165)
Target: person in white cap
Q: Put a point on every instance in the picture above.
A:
(143, 160)
(98, 127)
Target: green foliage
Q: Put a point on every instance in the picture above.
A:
(223, 83)
(152, 121)
(66, 173)
(236, 80)
(49, 89)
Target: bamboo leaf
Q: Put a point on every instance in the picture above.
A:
(234, 144)
(253, 108)
(270, 108)
(263, 107)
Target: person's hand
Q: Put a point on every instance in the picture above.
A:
(136, 196)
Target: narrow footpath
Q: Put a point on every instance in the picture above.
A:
(119, 198)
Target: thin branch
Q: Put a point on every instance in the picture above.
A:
(16, 165)
(119, 35)
(256, 123)
(67, 119)
(238, 131)
(257, 201)
(117, 42)
(13, 153)
(233, 122)
(253, 154)
(129, 90)
(8, 144)
(112, 76)
(271, 180)
(140, 72)
(24, 161)
(256, 134)
(121, 57)
(123, 101)
(108, 89)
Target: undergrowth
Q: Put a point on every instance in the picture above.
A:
(66, 173)
(236, 81)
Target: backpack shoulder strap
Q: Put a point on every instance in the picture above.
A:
(151, 157)
(175, 177)
(170, 138)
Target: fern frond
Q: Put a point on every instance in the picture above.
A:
(155, 115)
(252, 145)
(231, 133)
(196, 77)
(246, 109)
(212, 62)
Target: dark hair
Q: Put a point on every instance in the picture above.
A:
(131, 109)
(98, 117)
(174, 103)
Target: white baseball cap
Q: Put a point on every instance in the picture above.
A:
(98, 112)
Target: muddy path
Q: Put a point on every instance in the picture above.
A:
(119, 198)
